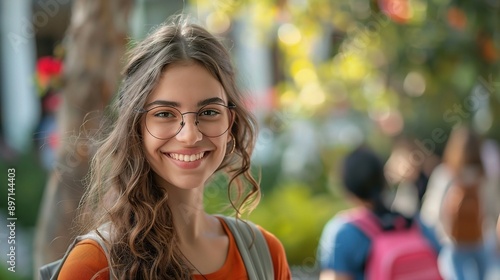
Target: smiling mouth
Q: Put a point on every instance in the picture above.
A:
(187, 158)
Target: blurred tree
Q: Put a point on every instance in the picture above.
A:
(95, 44)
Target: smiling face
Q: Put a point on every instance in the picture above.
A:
(187, 159)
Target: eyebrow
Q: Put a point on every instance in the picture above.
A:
(177, 104)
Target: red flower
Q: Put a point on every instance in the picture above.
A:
(48, 69)
(51, 102)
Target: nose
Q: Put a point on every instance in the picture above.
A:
(189, 133)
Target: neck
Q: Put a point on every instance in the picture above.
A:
(361, 203)
(189, 216)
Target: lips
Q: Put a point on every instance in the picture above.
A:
(187, 158)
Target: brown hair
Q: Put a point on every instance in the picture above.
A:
(462, 150)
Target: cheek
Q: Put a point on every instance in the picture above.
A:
(224, 145)
(149, 143)
(223, 148)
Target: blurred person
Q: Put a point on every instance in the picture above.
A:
(458, 180)
(408, 169)
(180, 119)
(344, 248)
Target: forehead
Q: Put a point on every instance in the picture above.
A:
(186, 83)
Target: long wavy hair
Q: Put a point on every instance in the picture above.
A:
(143, 243)
(463, 150)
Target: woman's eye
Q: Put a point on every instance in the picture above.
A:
(164, 114)
(209, 112)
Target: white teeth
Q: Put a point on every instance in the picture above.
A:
(186, 158)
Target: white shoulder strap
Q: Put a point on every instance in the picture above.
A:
(253, 248)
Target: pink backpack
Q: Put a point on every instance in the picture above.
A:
(400, 254)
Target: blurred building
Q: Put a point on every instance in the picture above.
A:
(19, 110)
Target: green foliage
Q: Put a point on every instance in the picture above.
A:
(9, 275)
(30, 181)
(418, 59)
(296, 217)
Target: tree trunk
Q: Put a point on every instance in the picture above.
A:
(95, 45)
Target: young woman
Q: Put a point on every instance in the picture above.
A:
(180, 118)
(465, 212)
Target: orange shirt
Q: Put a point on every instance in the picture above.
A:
(88, 259)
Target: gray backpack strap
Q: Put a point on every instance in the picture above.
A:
(51, 271)
(253, 249)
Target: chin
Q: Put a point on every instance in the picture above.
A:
(184, 182)
(187, 185)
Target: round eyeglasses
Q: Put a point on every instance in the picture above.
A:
(165, 122)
